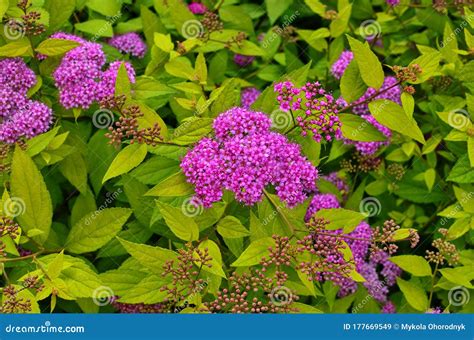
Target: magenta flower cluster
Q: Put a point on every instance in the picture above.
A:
(197, 8)
(80, 78)
(378, 271)
(320, 109)
(245, 157)
(243, 60)
(341, 64)
(129, 43)
(20, 116)
(248, 96)
(393, 2)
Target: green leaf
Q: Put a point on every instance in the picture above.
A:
(470, 149)
(459, 228)
(254, 252)
(394, 117)
(369, 65)
(153, 258)
(127, 159)
(96, 229)
(74, 168)
(430, 177)
(316, 6)
(122, 82)
(357, 128)
(231, 227)
(275, 8)
(340, 218)
(59, 12)
(352, 84)
(339, 25)
(415, 265)
(408, 103)
(462, 172)
(429, 64)
(163, 42)
(96, 27)
(201, 69)
(459, 275)
(53, 47)
(30, 199)
(20, 47)
(414, 294)
(174, 185)
(192, 130)
(181, 225)
(107, 8)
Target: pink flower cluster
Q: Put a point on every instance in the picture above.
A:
(243, 60)
(20, 116)
(320, 109)
(367, 264)
(197, 8)
(130, 43)
(80, 78)
(248, 96)
(341, 64)
(245, 157)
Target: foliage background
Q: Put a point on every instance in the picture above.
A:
(100, 221)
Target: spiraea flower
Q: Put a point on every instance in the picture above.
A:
(318, 109)
(130, 43)
(245, 157)
(248, 96)
(339, 182)
(21, 117)
(77, 75)
(341, 64)
(393, 2)
(243, 60)
(197, 8)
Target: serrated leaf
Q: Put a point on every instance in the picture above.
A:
(30, 195)
(231, 227)
(95, 229)
(369, 65)
(415, 265)
(127, 159)
(181, 225)
(254, 252)
(414, 294)
(394, 117)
